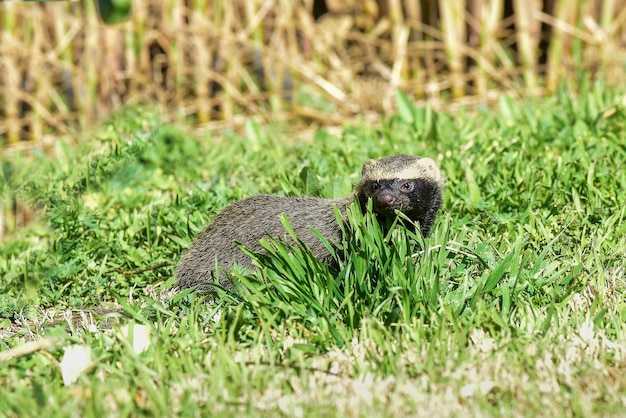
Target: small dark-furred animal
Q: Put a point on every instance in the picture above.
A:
(412, 185)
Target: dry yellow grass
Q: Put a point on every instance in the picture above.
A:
(61, 68)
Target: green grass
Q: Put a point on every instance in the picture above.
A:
(514, 306)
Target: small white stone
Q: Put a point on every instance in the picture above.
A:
(76, 359)
(141, 336)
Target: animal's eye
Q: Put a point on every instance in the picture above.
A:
(375, 186)
(407, 186)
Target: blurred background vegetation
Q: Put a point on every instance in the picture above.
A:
(296, 64)
(216, 63)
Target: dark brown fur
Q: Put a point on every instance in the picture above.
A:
(413, 185)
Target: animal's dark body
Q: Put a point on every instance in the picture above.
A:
(412, 185)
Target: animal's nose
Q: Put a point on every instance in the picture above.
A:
(386, 199)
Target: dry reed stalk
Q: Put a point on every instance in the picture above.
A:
(86, 78)
(135, 52)
(592, 13)
(395, 12)
(114, 89)
(275, 70)
(454, 34)
(11, 77)
(290, 47)
(64, 34)
(12, 81)
(175, 58)
(202, 52)
(613, 26)
(414, 67)
(489, 18)
(252, 41)
(587, 13)
(413, 11)
(608, 13)
(399, 38)
(226, 60)
(36, 67)
(563, 12)
(528, 37)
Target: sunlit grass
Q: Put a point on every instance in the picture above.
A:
(513, 306)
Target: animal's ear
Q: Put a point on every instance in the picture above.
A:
(429, 165)
(429, 168)
(367, 168)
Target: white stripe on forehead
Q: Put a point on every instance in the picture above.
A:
(401, 167)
